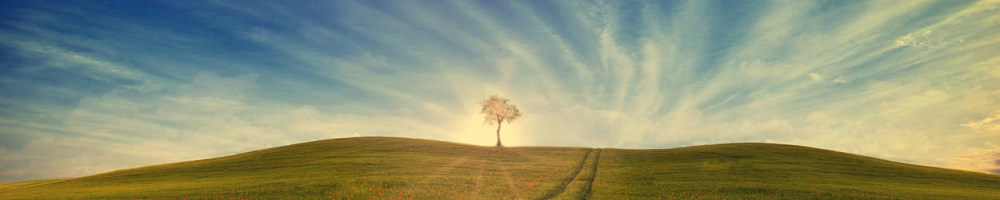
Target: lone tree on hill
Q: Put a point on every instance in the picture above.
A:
(497, 111)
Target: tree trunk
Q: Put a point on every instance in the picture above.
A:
(498, 134)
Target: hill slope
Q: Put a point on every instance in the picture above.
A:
(774, 171)
(398, 168)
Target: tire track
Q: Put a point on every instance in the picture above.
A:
(593, 174)
(576, 172)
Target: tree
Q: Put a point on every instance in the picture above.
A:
(497, 111)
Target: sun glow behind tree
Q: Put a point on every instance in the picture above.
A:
(497, 111)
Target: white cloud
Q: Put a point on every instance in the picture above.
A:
(51, 157)
(840, 80)
(56, 57)
(435, 111)
(815, 77)
(207, 118)
(343, 125)
(985, 161)
(758, 69)
(128, 128)
(986, 123)
(582, 126)
(305, 111)
(365, 63)
(404, 112)
(819, 118)
(996, 72)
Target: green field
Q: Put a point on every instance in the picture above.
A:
(399, 168)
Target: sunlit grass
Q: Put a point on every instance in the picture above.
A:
(397, 168)
(769, 171)
(357, 168)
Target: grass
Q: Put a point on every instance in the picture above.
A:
(398, 168)
(356, 168)
(772, 171)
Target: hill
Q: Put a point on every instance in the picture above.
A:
(775, 171)
(399, 168)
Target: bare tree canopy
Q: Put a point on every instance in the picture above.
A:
(497, 111)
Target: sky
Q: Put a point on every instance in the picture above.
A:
(88, 87)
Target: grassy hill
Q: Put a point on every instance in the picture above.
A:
(398, 168)
(774, 171)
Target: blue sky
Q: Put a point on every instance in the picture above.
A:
(94, 86)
